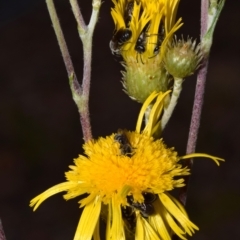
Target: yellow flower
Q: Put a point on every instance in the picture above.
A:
(127, 176)
(152, 24)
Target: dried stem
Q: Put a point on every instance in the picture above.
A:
(2, 234)
(198, 102)
(195, 123)
(210, 11)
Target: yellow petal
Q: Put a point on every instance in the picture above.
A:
(109, 220)
(193, 155)
(96, 235)
(88, 220)
(143, 110)
(157, 222)
(171, 222)
(155, 113)
(51, 191)
(169, 35)
(171, 11)
(117, 231)
(177, 214)
(76, 191)
(144, 230)
(87, 199)
(180, 206)
(178, 231)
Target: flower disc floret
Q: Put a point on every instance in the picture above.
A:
(104, 172)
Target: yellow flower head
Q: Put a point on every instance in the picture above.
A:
(127, 176)
(143, 29)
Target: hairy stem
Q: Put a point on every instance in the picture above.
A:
(80, 93)
(198, 102)
(86, 34)
(2, 234)
(204, 17)
(78, 15)
(177, 88)
(210, 12)
(61, 42)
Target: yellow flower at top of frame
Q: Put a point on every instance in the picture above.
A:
(143, 29)
(152, 23)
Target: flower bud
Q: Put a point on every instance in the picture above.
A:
(182, 58)
(140, 80)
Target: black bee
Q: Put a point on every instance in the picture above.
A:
(159, 41)
(128, 12)
(118, 39)
(140, 46)
(146, 208)
(125, 146)
(129, 218)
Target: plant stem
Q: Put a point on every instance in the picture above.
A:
(86, 34)
(177, 88)
(198, 102)
(2, 234)
(78, 15)
(210, 12)
(80, 93)
(61, 41)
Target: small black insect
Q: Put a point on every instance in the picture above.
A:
(129, 217)
(125, 146)
(119, 38)
(146, 208)
(159, 41)
(128, 13)
(140, 46)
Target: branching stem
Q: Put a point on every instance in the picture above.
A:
(80, 93)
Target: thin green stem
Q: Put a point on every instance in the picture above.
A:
(78, 15)
(177, 88)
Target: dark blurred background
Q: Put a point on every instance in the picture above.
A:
(40, 132)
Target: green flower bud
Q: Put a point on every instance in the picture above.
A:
(140, 80)
(182, 58)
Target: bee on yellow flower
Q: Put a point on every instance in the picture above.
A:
(143, 30)
(129, 188)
